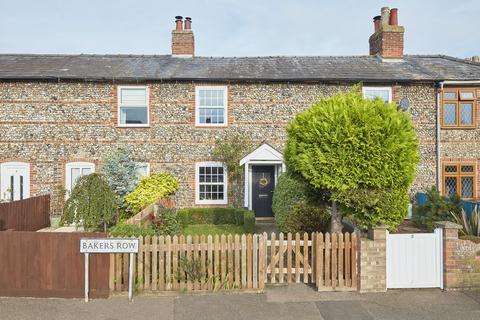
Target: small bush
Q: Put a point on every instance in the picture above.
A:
(248, 221)
(130, 230)
(436, 208)
(150, 189)
(470, 225)
(304, 217)
(91, 203)
(166, 222)
(289, 191)
(474, 239)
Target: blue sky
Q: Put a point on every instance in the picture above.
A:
(234, 27)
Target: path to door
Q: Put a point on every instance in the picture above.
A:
(278, 303)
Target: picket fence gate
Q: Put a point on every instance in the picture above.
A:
(190, 263)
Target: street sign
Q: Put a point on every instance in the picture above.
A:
(109, 245)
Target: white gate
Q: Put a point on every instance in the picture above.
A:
(414, 260)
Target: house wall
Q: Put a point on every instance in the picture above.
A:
(463, 145)
(50, 123)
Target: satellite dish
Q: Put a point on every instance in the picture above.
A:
(404, 104)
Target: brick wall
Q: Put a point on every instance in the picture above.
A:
(461, 259)
(183, 42)
(387, 42)
(48, 124)
(373, 261)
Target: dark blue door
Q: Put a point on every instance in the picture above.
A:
(263, 183)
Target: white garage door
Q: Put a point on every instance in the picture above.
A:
(414, 260)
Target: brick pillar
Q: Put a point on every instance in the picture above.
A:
(373, 260)
(450, 239)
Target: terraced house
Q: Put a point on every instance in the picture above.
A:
(61, 114)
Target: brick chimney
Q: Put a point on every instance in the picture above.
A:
(183, 44)
(387, 39)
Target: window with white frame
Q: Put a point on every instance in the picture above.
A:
(384, 93)
(143, 170)
(74, 170)
(211, 106)
(133, 106)
(210, 183)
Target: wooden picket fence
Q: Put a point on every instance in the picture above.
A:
(186, 263)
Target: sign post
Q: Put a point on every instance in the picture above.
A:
(109, 245)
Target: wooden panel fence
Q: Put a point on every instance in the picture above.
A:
(31, 214)
(189, 263)
(49, 264)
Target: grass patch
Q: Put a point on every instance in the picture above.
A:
(213, 229)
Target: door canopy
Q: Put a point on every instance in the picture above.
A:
(265, 152)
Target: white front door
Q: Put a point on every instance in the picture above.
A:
(15, 181)
(414, 260)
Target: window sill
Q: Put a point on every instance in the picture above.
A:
(443, 127)
(210, 203)
(133, 126)
(200, 125)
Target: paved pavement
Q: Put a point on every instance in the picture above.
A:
(281, 302)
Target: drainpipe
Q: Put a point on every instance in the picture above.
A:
(439, 158)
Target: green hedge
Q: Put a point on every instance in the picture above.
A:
(201, 215)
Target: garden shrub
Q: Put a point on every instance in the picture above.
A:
(150, 189)
(248, 220)
(92, 203)
(208, 215)
(348, 145)
(131, 230)
(436, 208)
(305, 217)
(166, 222)
(120, 170)
(289, 191)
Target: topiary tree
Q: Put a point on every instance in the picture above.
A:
(362, 152)
(92, 203)
(229, 150)
(121, 172)
(150, 189)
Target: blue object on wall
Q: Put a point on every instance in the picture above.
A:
(468, 206)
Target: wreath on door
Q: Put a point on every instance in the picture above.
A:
(263, 181)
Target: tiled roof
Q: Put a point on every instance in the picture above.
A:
(166, 67)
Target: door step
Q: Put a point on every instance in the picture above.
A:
(265, 220)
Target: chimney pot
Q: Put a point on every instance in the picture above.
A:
(388, 39)
(377, 23)
(188, 23)
(394, 17)
(178, 23)
(385, 16)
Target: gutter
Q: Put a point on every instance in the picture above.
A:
(439, 157)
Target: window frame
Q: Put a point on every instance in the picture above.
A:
(389, 89)
(197, 106)
(120, 105)
(198, 165)
(147, 165)
(458, 102)
(458, 176)
(68, 172)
